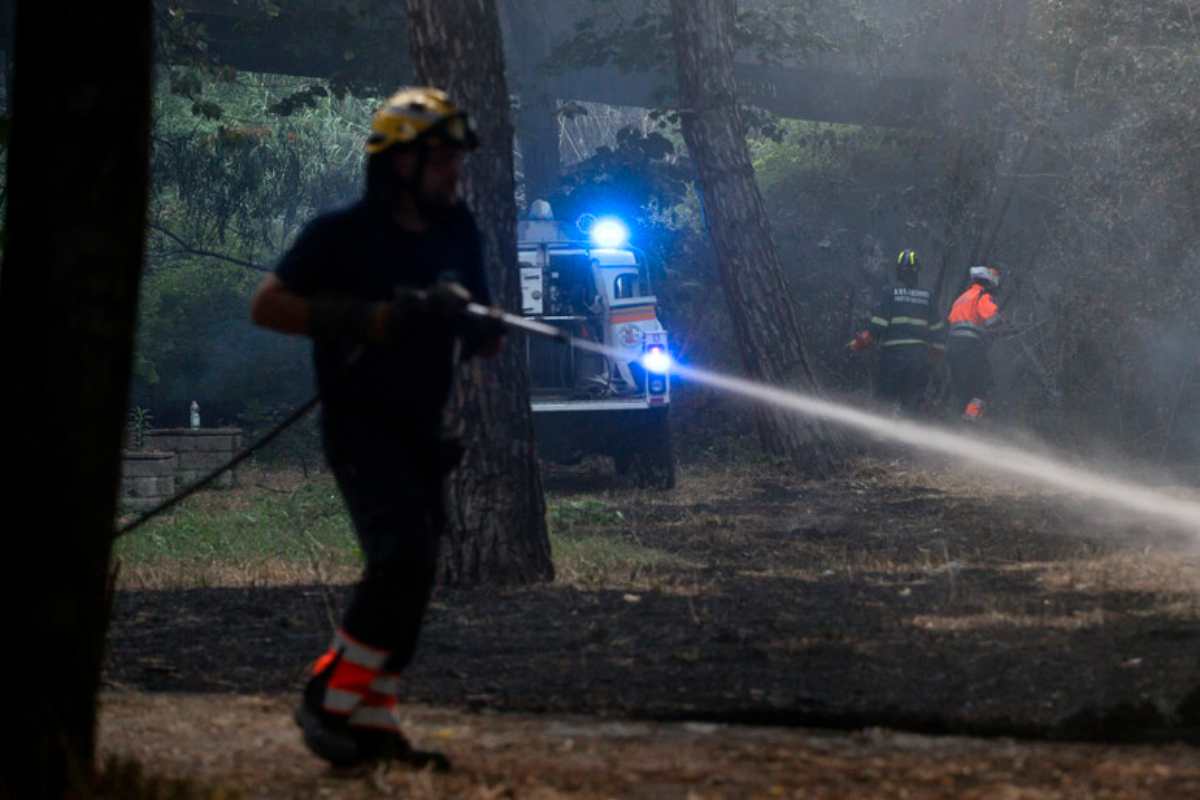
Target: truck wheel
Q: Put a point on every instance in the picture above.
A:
(655, 459)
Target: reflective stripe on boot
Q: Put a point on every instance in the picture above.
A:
(378, 712)
(348, 670)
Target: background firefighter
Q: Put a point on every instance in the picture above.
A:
(380, 287)
(973, 318)
(908, 327)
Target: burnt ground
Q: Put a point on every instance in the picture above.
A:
(897, 597)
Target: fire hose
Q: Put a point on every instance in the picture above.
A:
(511, 321)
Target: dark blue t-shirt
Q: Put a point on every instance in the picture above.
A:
(374, 393)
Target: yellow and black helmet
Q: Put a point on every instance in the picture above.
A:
(907, 261)
(420, 114)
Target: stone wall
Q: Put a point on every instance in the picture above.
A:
(198, 452)
(147, 478)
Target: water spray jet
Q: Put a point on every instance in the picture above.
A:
(985, 453)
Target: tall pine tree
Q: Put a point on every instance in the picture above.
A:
(497, 512)
(77, 179)
(765, 319)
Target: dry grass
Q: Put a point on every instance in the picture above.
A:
(996, 619)
(933, 559)
(247, 745)
(192, 574)
(1162, 573)
(954, 549)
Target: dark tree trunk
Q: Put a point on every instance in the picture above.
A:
(497, 531)
(538, 123)
(539, 138)
(760, 301)
(77, 175)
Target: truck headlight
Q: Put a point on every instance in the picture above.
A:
(656, 360)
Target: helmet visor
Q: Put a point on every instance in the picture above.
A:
(454, 131)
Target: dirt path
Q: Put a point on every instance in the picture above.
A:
(896, 597)
(247, 744)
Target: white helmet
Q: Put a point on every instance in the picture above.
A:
(540, 209)
(989, 276)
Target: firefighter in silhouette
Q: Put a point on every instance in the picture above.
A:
(907, 326)
(380, 287)
(973, 320)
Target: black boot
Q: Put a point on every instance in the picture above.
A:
(327, 735)
(394, 747)
(327, 739)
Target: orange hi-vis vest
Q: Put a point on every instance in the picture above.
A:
(358, 687)
(973, 314)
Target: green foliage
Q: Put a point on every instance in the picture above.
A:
(637, 177)
(246, 183)
(566, 515)
(775, 33)
(642, 41)
(364, 33)
(767, 32)
(1076, 167)
(182, 43)
(195, 341)
(802, 149)
(303, 99)
(642, 180)
(1123, 212)
(140, 421)
(228, 196)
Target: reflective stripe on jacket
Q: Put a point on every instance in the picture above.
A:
(974, 313)
(906, 317)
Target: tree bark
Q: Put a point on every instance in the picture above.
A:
(77, 173)
(539, 138)
(497, 525)
(764, 317)
(538, 126)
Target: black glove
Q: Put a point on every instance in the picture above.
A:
(482, 333)
(413, 311)
(442, 301)
(416, 312)
(490, 326)
(448, 300)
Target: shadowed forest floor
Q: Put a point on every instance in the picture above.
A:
(849, 616)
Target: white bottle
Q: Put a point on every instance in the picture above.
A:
(195, 415)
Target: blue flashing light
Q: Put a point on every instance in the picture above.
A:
(656, 360)
(609, 232)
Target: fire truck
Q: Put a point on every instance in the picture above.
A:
(587, 279)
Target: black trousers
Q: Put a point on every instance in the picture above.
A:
(396, 503)
(970, 370)
(903, 376)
